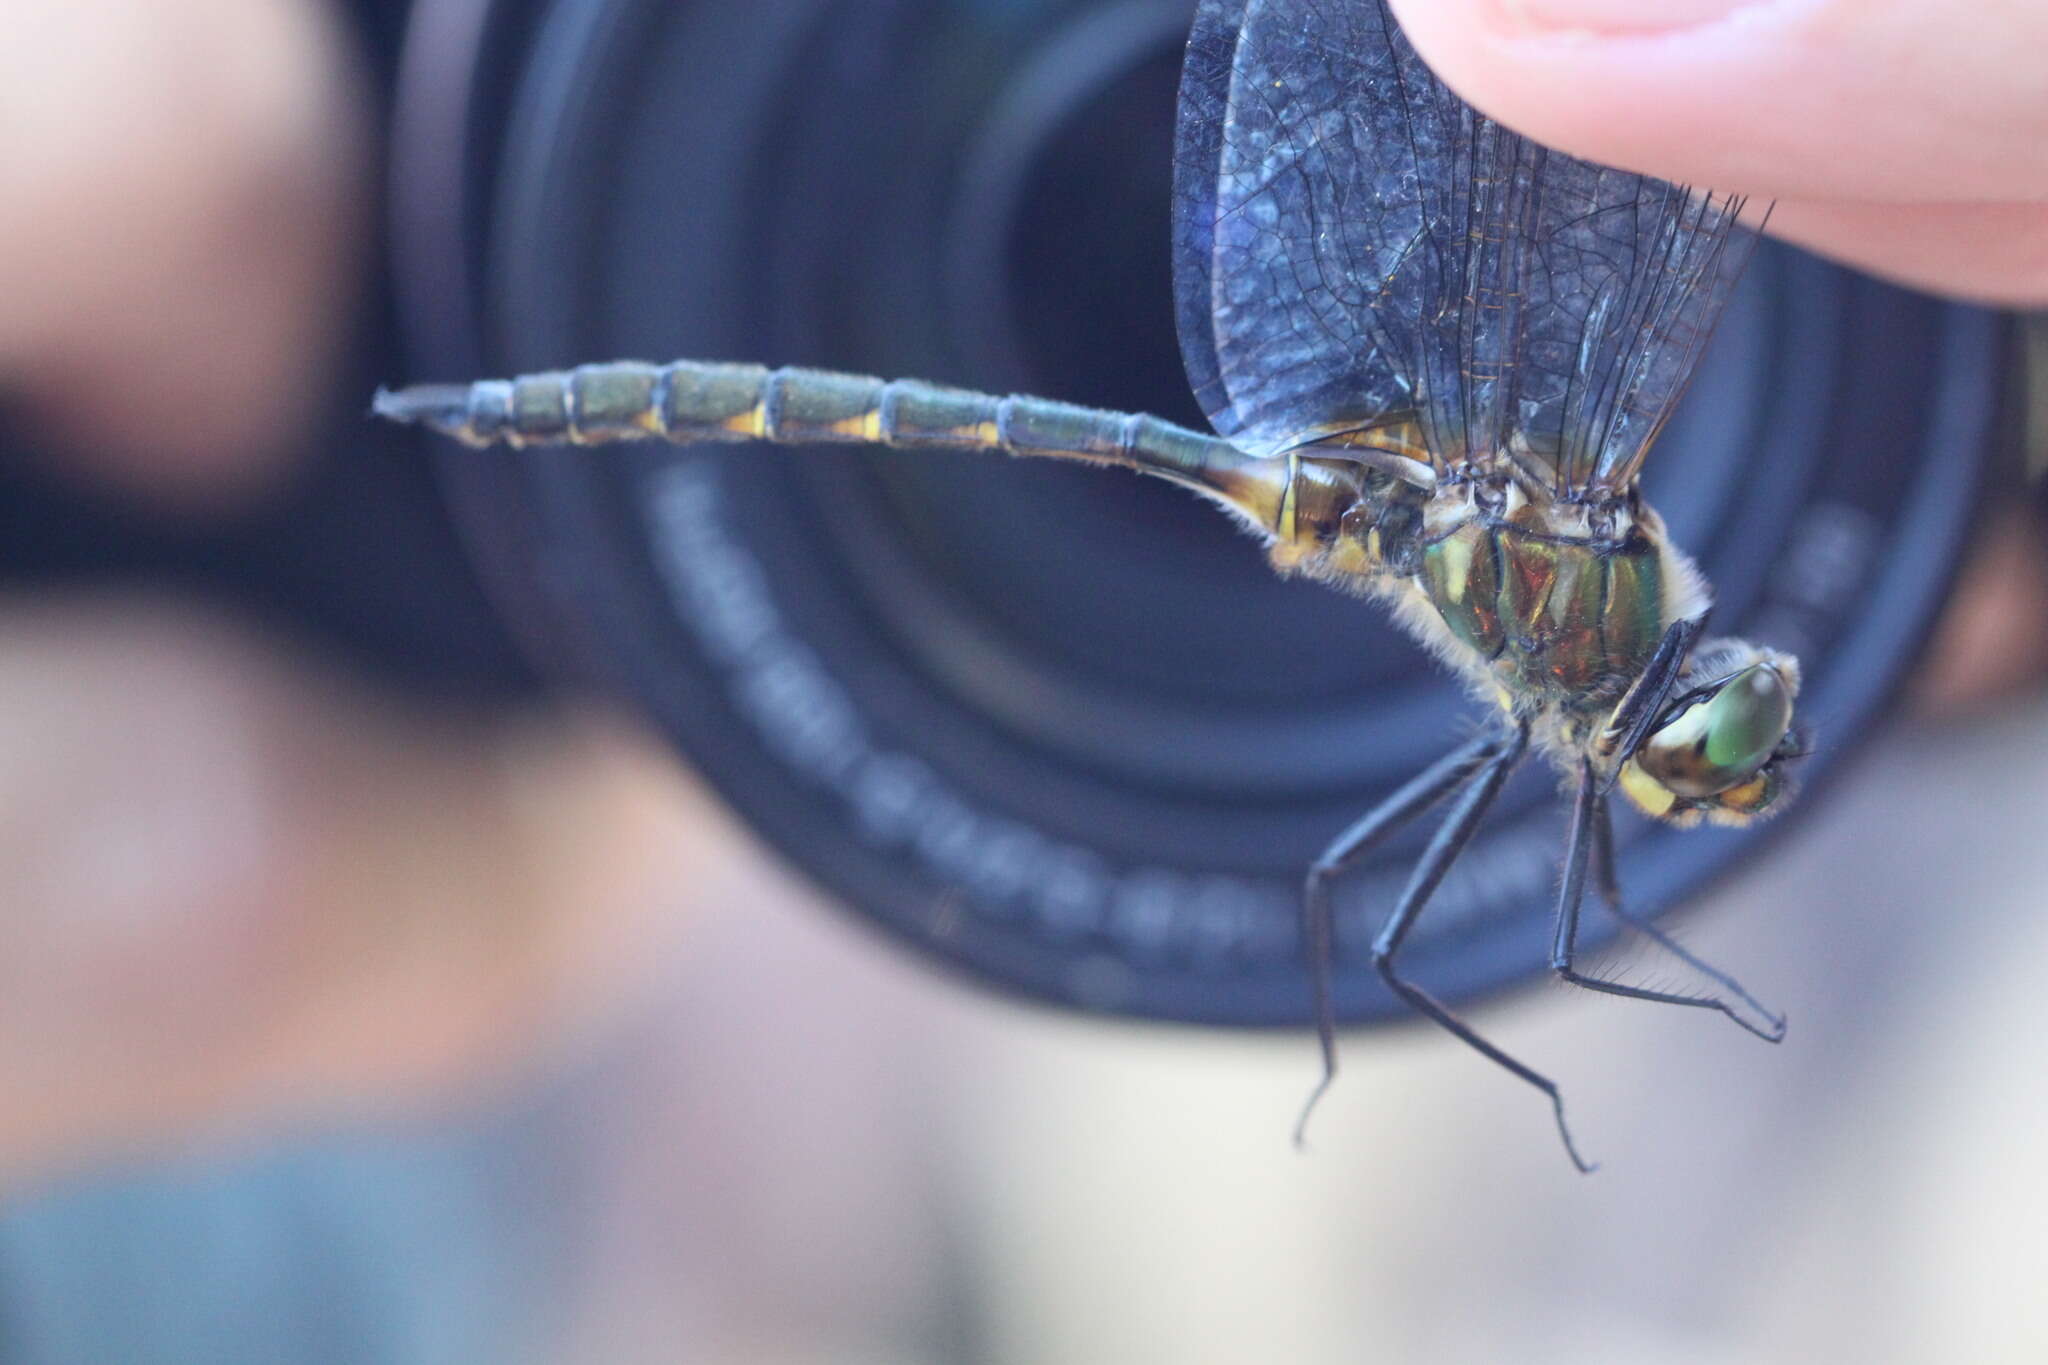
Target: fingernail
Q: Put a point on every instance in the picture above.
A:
(1618, 16)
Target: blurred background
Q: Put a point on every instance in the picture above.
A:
(364, 998)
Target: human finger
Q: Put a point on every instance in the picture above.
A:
(1889, 100)
(1990, 253)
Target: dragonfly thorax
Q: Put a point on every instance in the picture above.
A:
(1550, 607)
(1560, 621)
(1553, 610)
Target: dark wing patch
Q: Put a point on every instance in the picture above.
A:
(1356, 248)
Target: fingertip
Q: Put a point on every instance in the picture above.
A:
(1780, 98)
(1665, 101)
(1995, 254)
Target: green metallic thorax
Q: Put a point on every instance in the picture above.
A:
(1561, 606)
(1569, 623)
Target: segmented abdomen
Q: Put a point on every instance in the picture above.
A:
(688, 401)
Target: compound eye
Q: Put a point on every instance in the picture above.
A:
(1747, 719)
(1724, 739)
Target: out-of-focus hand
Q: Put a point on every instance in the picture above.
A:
(237, 890)
(1908, 137)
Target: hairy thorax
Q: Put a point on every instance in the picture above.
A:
(1548, 608)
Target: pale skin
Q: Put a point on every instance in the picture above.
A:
(254, 894)
(1908, 137)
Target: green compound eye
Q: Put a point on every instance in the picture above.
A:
(1748, 718)
(1722, 740)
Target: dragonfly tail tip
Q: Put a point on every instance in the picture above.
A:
(438, 407)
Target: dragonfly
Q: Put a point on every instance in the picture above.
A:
(1435, 356)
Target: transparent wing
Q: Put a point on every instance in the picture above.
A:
(1358, 253)
(1626, 279)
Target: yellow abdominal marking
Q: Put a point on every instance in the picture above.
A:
(1286, 556)
(1350, 557)
(751, 423)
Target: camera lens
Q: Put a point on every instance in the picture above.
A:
(1059, 727)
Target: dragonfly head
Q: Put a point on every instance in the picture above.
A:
(1720, 751)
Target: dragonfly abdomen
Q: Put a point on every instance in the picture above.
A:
(1345, 522)
(689, 401)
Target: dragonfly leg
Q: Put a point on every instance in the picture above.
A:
(1592, 843)
(1449, 841)
(1640, 707)
(1436, 782)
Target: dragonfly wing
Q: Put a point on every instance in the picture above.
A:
(1626, 277)
(1357, 248)
(1311, 147)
